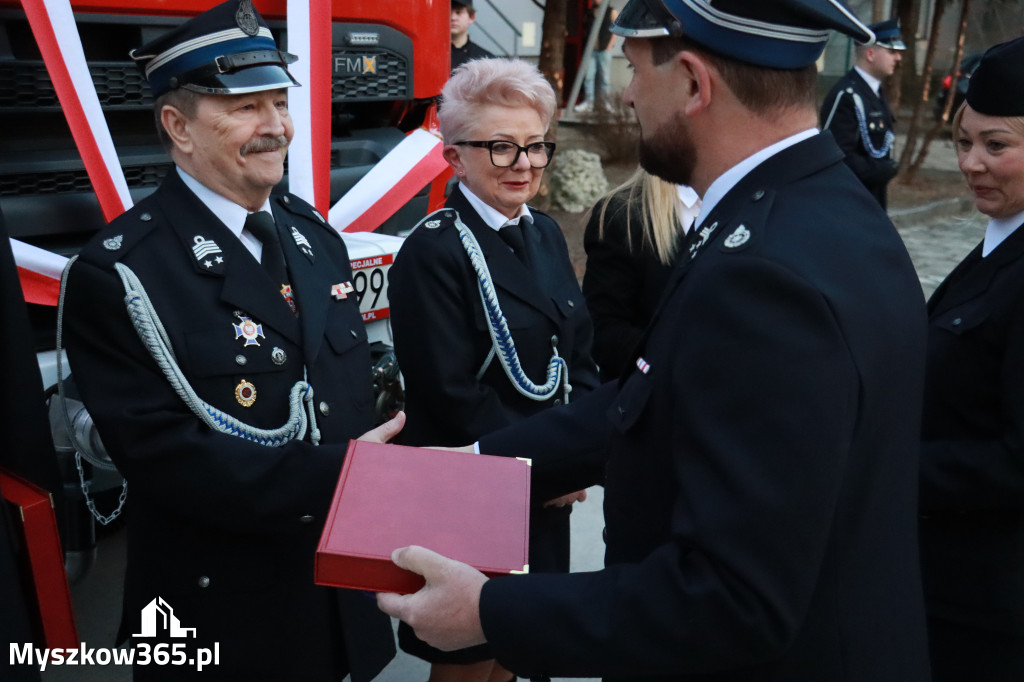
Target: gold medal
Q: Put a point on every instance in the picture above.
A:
(245, 393)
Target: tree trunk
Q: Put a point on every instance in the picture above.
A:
(940, 124)
(905, 83)
(921, 102)
(552, 64)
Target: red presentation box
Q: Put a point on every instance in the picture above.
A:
(53, 614)
(474, 508)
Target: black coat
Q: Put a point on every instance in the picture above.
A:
(622, 284)
(760, 499)
(972, 459)
(441, 340)
(223, 529)
(839, 116)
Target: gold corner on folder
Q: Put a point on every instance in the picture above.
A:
(526, 569)
(529, 462)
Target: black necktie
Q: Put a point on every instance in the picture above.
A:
(261, 225)
(512, 234)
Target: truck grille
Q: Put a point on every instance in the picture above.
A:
(25, 84)
(390, 81)
(70, 182)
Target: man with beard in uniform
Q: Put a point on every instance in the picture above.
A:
(856, 110)
(228, 385)
(760, 485)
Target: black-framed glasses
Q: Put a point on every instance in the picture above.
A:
(504, 154)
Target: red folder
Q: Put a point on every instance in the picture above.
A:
(52, 596)
(474, 508)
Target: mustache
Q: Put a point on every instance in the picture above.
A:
(266, 143)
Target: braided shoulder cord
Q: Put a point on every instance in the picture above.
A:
(154, 337)
(858, 106)
(501, 339)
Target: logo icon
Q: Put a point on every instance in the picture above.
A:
(158, 618)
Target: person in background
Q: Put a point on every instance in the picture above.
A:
(633, 239)
(461, 381)
(972, 454)
(761, 454)
(856, 110)
(464, 49)
(599, 67)
(202, 380)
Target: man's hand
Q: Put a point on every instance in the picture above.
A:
(386, 431)
(446, 612)
(567, 500)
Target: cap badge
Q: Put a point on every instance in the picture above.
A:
(303, 244)
(245, 393)
(248, 330)
(204, 248)
(341, 291)
(739, 237)
(114, 243)
(246, 18)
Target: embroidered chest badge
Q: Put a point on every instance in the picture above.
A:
(303, 244)
(207, 253)
(739, 237)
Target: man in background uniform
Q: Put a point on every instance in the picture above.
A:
(464, 49)
(231, 421)
(856, 110)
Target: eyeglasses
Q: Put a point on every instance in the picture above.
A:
(504, 154)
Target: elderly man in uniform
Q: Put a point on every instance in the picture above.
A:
(760, 489)
(213, 335)
(856, 110)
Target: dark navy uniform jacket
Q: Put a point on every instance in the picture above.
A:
(972, 459)
(840, 118)
(441, 337)
(760, 498)
(222, 529)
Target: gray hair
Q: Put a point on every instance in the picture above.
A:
(501, 82)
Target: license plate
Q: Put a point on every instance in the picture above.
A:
(370, 280)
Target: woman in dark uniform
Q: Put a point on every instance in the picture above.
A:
(476, 358)
(633, 239)
(972, 466)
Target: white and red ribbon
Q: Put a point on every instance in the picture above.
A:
(39, 271)
(403, 172)
(309, 155)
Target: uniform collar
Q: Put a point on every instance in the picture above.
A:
(727, 180)
(998, 230)
(492, 217)
(872, 82)
(228, 212)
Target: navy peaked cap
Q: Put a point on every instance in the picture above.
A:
(997, 86)
(887, 34)
(226, 50)
(778, 34)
